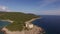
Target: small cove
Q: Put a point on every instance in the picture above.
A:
(3, 24)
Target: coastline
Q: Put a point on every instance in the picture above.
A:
(34, 30)
(31, 20)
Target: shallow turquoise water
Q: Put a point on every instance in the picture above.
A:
(3, 24)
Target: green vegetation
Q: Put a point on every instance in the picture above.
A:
(18, 18)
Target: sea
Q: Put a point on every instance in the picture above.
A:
(2, 25)
(50, 23)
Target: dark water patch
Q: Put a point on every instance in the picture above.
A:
(1, 32)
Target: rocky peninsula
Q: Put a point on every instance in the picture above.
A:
(34, 30)
(22, 23)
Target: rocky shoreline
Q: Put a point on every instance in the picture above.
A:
(34, 30)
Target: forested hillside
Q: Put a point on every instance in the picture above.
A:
(18, 18)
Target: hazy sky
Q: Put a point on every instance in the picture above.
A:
(41, 7)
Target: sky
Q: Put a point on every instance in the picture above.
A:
(39, 7)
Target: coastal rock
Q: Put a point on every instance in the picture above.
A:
(34, 30)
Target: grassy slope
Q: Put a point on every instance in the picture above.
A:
(18, 18)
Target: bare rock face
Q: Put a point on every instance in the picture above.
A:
(6, 31)
(34, 30)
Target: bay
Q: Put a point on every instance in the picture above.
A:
(3, 24)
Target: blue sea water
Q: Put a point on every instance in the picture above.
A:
(50, 23)
(3, 24)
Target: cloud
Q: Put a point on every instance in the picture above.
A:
(4, 8)
(49, 12)
(54, 10)
(47, 2)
